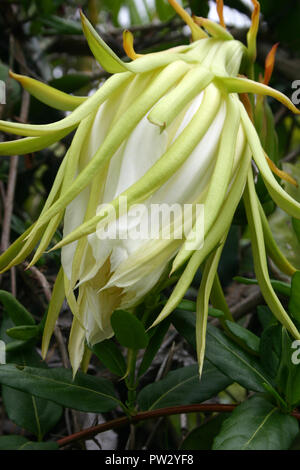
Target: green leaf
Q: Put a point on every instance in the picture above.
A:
(183, 387)
(60, 25)
(39, 446)
(190, 306)
(129, 330)
(24, 332)
(84, 392)
(36, 415)
(248, 338)
(12, 442)
(110, 356)
(157, 335)
(288, 374)
(270, 348)
(265, 316)
(18, 313)
(226, 355)
(256, 424)
(279, 286)
(294, 303)
(164, 10)
(15, 442)
(202, 437)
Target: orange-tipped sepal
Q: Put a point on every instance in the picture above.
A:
(220, 11)
(282, 174)
(128, 45)
(269, 64)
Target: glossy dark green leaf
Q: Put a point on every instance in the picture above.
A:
(36, 415)
(15, 442)
(226, 355)
(12, 442)
(202, 437)
(294, 303)
(265, 316)
(183, 387)
(246, 337)
(257, 424)
(155, 342)
(270, 348)
(288, 374)
(84, 393)
(110, 356)
(17, 312)
(129, 330)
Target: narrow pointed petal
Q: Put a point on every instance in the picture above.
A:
(269, 63)
(162, 170)
(7, 257)
(259, 257)
(169, 107)
(252, 33)
(244, 85)
(128, 45)
(127, 122)
(213, 28)
(46, 238)
(101, 51)
(46, 94)
(32, 144)
(220, 9)
(272, 248)
(208, 276)
(219, 181)
(212, 239)
(55, 306)
(197, 32)
(86, 108)
(76, 345)
(282, 199)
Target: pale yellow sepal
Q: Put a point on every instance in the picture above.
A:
(259, 257)
(208, 276)
(46, 94)
(58, 295)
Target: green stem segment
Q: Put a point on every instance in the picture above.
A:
(130, 381)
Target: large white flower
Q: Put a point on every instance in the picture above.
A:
(167, 128)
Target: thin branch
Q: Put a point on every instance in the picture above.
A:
(172, 410)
